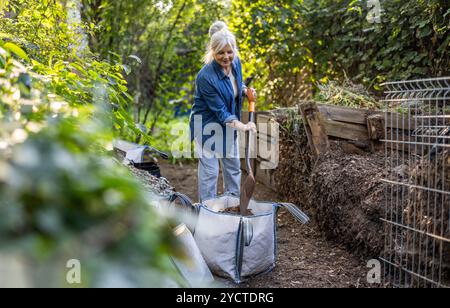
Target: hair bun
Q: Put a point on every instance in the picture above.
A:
(216, 27)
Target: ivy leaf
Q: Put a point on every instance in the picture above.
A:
(16, 50)
(446, 13)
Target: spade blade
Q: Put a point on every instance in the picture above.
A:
(247, 192)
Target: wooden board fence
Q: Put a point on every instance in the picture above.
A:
(363, 127)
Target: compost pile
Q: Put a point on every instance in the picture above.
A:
(346, 93)
(427, 211)
(344, 193)
(152, 183)
(159, 186)
(294, 168)
(237, 211)
(341, 190)
(348, 196)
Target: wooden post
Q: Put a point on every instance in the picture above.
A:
(376, 129)
(376, 126)
(315, 130)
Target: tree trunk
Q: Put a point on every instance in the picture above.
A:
(74, 21)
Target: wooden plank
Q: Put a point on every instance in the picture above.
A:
(265, 176)
(268, 130)
(266, 165)
(267, 124)
(359, 116)
(397, 120)
(242, 144)
(315, 129)
(267, 143)
(346, 130)
(343, 114)
(411, 122)
(268, 151)
(267, 138)
(244, 117)
(263, 117)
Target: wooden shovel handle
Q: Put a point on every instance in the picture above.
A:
(251, 100)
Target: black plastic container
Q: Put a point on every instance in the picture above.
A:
(150, 167)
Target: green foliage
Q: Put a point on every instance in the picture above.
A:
(61, 200)
(39, 27)
(41, 30)
(16, 50)
(168, 37)
(170, 136)
(272, 43)
(63, 196)
(346, 94)
(321, 40)
(84, 81)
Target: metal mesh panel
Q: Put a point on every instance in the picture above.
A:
(417, 183)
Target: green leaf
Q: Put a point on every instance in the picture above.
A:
(78, 68)
(135, 58)
(126, 68)
(16, 50)
(3, 3)
(59, 65)
(128, 96)
(447, 13)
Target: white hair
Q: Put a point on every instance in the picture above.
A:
(216, 27)
(218, 41)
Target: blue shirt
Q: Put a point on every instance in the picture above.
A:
(214, 101)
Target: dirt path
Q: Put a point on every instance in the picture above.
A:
(305, 258)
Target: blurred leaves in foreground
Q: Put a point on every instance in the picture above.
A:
(62, 196)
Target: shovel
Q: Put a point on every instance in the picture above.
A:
(250, 182)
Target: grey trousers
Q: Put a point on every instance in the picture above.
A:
(208, 174)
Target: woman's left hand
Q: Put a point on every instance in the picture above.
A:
(254, 92)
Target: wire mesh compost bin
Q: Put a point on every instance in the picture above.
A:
(417, 183)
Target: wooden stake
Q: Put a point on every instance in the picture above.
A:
(376, 130)
(376, 126)
(315, 130)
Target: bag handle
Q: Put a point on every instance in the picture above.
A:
(295, 211)
(160, 153)
(185, 201)
(244, 238)
(248, 230)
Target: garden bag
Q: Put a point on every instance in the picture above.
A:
(235, 246)
(192, 267)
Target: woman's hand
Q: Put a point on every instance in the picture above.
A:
(250, 126)
(254, 92)
(243, 127)
(251, 89)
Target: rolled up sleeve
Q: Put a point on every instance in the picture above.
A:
(214, 101)
(244, 89)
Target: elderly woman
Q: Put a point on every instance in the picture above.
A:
(216, 114)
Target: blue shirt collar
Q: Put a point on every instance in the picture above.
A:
(219, 70)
